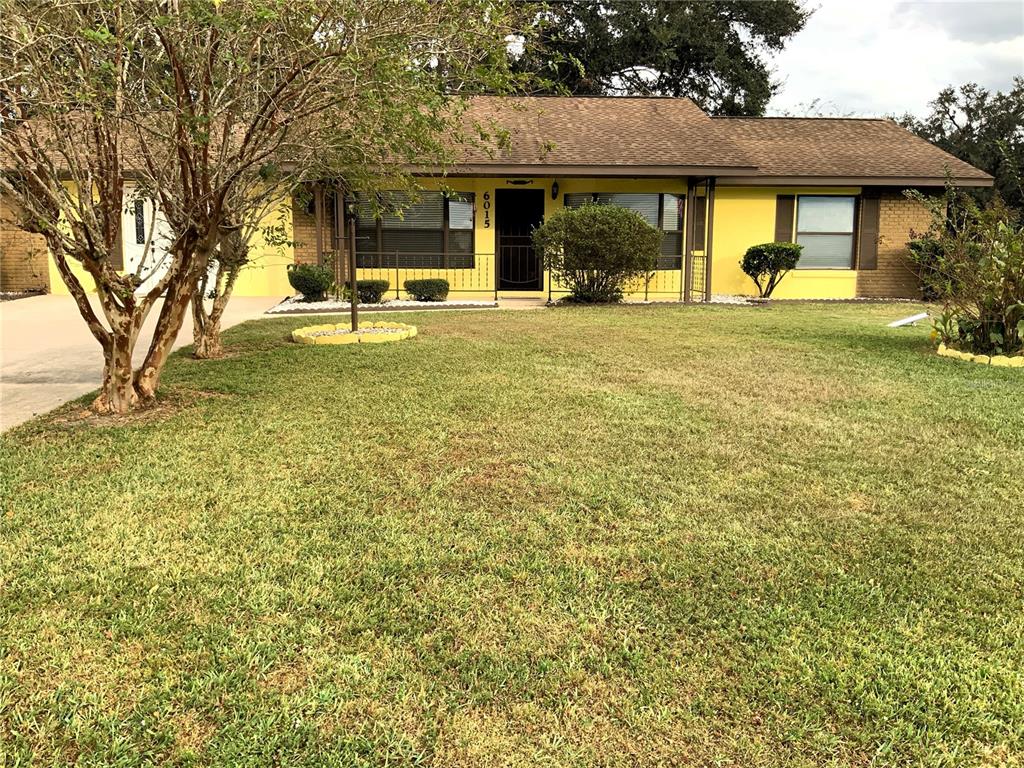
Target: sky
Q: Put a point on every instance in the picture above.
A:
(882, 57)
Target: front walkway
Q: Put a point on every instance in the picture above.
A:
(48, 356)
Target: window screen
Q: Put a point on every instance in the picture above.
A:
(824, 227)
(659, 210)
(410, 234)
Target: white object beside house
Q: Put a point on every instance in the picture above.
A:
(908, 320)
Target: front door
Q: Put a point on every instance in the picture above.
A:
(145, 238)
(517, 212)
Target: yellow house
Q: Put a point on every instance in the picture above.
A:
(714, 186)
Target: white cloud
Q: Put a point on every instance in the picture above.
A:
(878, 57)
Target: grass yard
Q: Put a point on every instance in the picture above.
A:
(620, 537)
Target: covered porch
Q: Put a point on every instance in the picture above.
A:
(475, 233)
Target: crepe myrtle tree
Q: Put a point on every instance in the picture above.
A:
(212, 109)
(217, 282)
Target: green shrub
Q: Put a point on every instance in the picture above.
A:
(768, 263)
(594, 250)
(312, 281)
(430, 289)
(369, 291)
(926, 253)
(975, 267)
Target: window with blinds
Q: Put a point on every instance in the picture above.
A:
(824, 227)
(434, 232)
(664, 211)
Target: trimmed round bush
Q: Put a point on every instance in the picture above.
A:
(768, 263)
(311, 280)
(430, 289)
(595, 250)
(370, 291)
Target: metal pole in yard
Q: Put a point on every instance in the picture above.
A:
(353, 296)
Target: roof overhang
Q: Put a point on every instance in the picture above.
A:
(850, 181)
(618, 171)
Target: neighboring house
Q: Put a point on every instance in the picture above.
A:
(715, 186)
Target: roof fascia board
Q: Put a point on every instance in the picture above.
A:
(850, 181)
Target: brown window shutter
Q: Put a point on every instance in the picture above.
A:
(868, 235)
(700, 210)
(785, 205)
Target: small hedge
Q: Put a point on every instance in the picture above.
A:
(432, 289)
(312, 281)
(768, 263)
(370, 291)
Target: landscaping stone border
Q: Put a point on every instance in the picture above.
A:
(341, 333)
(1001, 361)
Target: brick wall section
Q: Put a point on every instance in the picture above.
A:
(304, 228)
(23, 262)
(894, 278)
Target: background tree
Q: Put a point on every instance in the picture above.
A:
(982, 128)
(215, 109)
(713, 51)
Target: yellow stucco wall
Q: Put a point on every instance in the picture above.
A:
(265, 274)
(745, 216)
(479, 282)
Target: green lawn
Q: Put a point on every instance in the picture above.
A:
(617, 536)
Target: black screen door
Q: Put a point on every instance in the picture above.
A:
(517, 212)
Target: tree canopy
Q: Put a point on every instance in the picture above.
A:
(982, 128)
(713, 51)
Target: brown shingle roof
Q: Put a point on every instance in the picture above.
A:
(613, 132)
(842, 147)
(640, 136)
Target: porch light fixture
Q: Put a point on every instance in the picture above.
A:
(554, 190)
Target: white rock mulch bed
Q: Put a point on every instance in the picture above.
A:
(294, 305)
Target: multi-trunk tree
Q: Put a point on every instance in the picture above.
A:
(215, 110)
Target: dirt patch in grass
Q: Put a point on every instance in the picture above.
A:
(170, 401)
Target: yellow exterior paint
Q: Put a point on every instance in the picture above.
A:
(479, 282)
(265, 275)
(57, 284)
(745, 216)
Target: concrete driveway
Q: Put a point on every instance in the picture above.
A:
(48, 356)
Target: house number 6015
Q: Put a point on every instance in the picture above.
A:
(487, 210)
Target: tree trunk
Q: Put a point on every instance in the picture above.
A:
(206, 327)
(207, 343)
(172, 314)
(117, 393)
